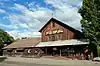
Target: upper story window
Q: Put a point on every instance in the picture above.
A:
(53, 38)
(53, 24)
(59, 37)
(49, 38)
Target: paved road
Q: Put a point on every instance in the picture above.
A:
(46, 62)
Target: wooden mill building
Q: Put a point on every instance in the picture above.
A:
(57, 39)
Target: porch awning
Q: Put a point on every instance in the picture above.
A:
(62, 43)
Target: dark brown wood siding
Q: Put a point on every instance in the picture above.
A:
(66, 35)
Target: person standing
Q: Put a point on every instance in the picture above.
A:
(86, 50)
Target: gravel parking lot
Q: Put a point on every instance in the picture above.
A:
(17, 61)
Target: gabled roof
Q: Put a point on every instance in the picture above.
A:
(60, 23)
(24, 43)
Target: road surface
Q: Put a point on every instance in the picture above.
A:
(17, 61)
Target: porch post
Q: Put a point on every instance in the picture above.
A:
(46, 50)
(60, 52)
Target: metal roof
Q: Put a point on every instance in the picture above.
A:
(62, 43)
(24, 43)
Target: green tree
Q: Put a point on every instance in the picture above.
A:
(90, 12)
(5, 38)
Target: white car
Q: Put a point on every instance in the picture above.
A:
(96, 59)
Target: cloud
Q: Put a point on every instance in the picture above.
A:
(6, 0)
(38, 12)
(30, 19)
(9, 26)
(34, 17)
(18, 34)
(74, 2)
(65, 12)
(2, 11)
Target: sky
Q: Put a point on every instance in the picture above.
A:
(24, 18)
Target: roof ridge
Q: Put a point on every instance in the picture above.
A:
(62, 22)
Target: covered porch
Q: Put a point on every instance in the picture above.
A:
(74, 49)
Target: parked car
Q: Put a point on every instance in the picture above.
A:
(96, 59)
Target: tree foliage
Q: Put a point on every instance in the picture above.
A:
(5, 38)
(90, 12)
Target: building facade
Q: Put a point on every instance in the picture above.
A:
(55, 30)
(57, 39)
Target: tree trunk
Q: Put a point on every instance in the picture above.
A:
(98, 50)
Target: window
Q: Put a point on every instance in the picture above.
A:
(49, 38)
(59, 37)
(53, 24)
(53, 38)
